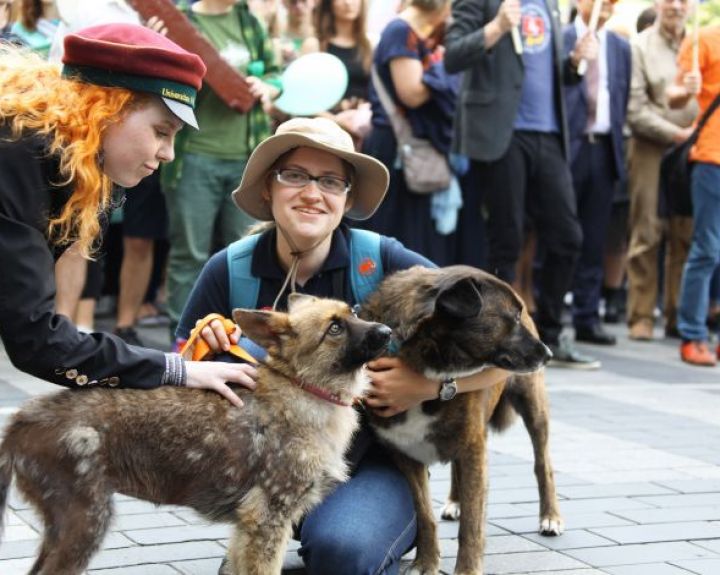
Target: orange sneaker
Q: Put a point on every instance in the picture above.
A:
(697, 353)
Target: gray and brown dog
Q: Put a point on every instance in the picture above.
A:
(260, 467)
(451, 322)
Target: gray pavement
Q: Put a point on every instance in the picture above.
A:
(636, 451)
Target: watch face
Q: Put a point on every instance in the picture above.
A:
(448, 390)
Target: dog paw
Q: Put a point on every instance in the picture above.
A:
(415, 569)
(551, 526)
(451, 511)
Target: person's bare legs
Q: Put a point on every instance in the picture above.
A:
(85, 314)
(135, 273)
(70, 274)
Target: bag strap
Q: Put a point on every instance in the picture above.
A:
(399, 123)
(244, 287)
(366, 269)
(705, 117)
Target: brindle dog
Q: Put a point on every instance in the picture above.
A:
(452, 322)
(260, 467)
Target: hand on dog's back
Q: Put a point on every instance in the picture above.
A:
(216, 375)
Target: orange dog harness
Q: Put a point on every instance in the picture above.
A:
(197, 349)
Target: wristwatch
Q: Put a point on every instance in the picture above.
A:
(448, 389)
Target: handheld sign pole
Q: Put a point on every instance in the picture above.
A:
(226, 81)
(592, 27)
(696, 39)
(516, 40)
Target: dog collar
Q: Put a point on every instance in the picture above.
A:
(393, 347)
(321, 393)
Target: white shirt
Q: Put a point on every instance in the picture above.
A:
(602, 117)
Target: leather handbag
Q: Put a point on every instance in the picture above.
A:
(426, 169)
(676, 168)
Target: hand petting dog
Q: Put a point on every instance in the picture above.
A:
(217, 375)
(396, 387)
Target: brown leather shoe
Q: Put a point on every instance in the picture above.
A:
(641, 330)
(697, 353)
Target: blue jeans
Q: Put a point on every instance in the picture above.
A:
(704, 253)
(363, 527)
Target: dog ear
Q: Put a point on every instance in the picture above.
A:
(265, 328)
(295, 299)
(460, 300)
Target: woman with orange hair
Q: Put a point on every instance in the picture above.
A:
(66, 137)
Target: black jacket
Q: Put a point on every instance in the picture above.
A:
(37, 340)
(493, 78)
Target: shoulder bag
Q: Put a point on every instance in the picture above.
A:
(675, 170)
(426, 170)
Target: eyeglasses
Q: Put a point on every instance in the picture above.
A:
(299, 179)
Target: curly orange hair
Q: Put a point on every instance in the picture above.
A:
(34, 97)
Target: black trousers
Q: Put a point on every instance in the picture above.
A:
(533, 178)
(593, 173)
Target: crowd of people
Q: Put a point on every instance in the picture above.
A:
(555, 163)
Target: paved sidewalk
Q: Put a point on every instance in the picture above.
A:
(636, 450)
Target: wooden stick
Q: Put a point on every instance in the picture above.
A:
(516, 40)
(226, 81)
(592, 28)
(696, 38)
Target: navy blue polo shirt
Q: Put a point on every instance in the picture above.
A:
(211, 293)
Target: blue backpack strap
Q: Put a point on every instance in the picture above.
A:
(366, 269)
(244, 288)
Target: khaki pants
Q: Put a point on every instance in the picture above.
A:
(646, 235)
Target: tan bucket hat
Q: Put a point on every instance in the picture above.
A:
(369, 184)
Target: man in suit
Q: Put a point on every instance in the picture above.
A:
(597, 107)
(511, 123)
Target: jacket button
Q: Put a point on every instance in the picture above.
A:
(114, 381)
(71, 373)
(81, 379)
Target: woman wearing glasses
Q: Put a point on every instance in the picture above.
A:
(301, 182)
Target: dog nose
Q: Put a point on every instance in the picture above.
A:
(379, 337)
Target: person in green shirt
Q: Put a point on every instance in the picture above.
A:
(37, 24)
(210, 162)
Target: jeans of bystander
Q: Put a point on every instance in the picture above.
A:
(704, 253)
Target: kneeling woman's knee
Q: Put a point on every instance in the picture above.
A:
(348, 551)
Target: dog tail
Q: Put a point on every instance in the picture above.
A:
(6, 473)
(504, 414)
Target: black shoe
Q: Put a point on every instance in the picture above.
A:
(129, 336)
(594, 334)
(671, 332)
(614, 300)
(565, 355)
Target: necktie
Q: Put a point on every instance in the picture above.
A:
(592, 81)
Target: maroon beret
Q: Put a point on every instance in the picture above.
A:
(136, 58)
